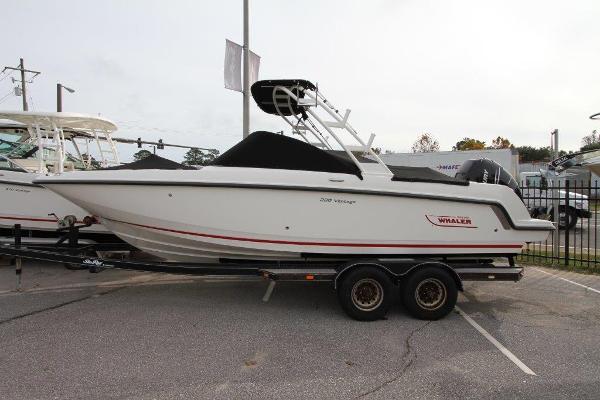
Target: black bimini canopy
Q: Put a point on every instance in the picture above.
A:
(262, 92)
(152, 162)
(269, 150)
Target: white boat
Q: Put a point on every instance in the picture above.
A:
(276, 197)
(23, 202)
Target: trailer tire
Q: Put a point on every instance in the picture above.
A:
(365, 293)
(429, 293)
(567, 218)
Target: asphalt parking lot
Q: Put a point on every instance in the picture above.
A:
(584, 238)
(584, 234)
(119, 334)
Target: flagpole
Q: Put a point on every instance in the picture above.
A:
(246, 85)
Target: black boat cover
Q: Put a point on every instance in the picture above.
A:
(269, 150)
(409, 174)
(274, 151)
(423, 174)
(262, 92)
(152, 162)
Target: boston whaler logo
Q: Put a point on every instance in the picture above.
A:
(94, 262)
(451, 221)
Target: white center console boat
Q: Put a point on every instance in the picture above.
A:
(42, 149)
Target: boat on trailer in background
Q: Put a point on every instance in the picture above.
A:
(41, 149)
(48, 143)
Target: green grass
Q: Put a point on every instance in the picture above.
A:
(583, 263)
(594, 206)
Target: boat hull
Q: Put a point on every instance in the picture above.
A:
(207, 222)
(34, 207)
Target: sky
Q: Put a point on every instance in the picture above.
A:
(454, 69)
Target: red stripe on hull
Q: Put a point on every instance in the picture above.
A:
(329, 244)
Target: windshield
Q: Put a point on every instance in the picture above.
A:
(8, 141)
(29, 150)
(24, 150)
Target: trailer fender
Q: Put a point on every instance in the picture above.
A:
(438, 264)
(346, 268)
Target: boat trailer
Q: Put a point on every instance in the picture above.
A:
(428, 287)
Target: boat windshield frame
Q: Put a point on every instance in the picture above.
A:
(298, 102)
(11, 165)
(57, 128)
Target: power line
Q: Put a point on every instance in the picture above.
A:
(6, 96)
(32, 104)
(6, 75)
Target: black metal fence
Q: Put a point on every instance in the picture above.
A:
(575, 244)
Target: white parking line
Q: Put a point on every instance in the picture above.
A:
(568, 280)
(496, 343)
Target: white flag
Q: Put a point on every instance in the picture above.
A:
(254, 64)
(233, 66)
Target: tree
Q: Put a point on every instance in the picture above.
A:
(529, 154)
(200, 157)
(88, 159)
(501, 143)
(469, 144)
(591, 142)
(425, 144)
(379, 150)
(140, 155)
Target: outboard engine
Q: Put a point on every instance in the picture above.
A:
(487, 171)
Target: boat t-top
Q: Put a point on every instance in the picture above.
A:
(46, 135)
(307, 196)
(41, 149)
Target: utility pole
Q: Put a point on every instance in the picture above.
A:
(555, 134)
(58, 97)
(59, 88)
(23, 90)
(21, 68)
(246, 84)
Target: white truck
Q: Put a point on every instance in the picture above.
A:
(539, 199)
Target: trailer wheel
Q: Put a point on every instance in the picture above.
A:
(429, 293)
(365, 293)
(567, 218)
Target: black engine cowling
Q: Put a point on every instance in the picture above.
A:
(487, 171)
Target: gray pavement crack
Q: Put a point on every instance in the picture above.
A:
(56, 306)
(408, 359)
